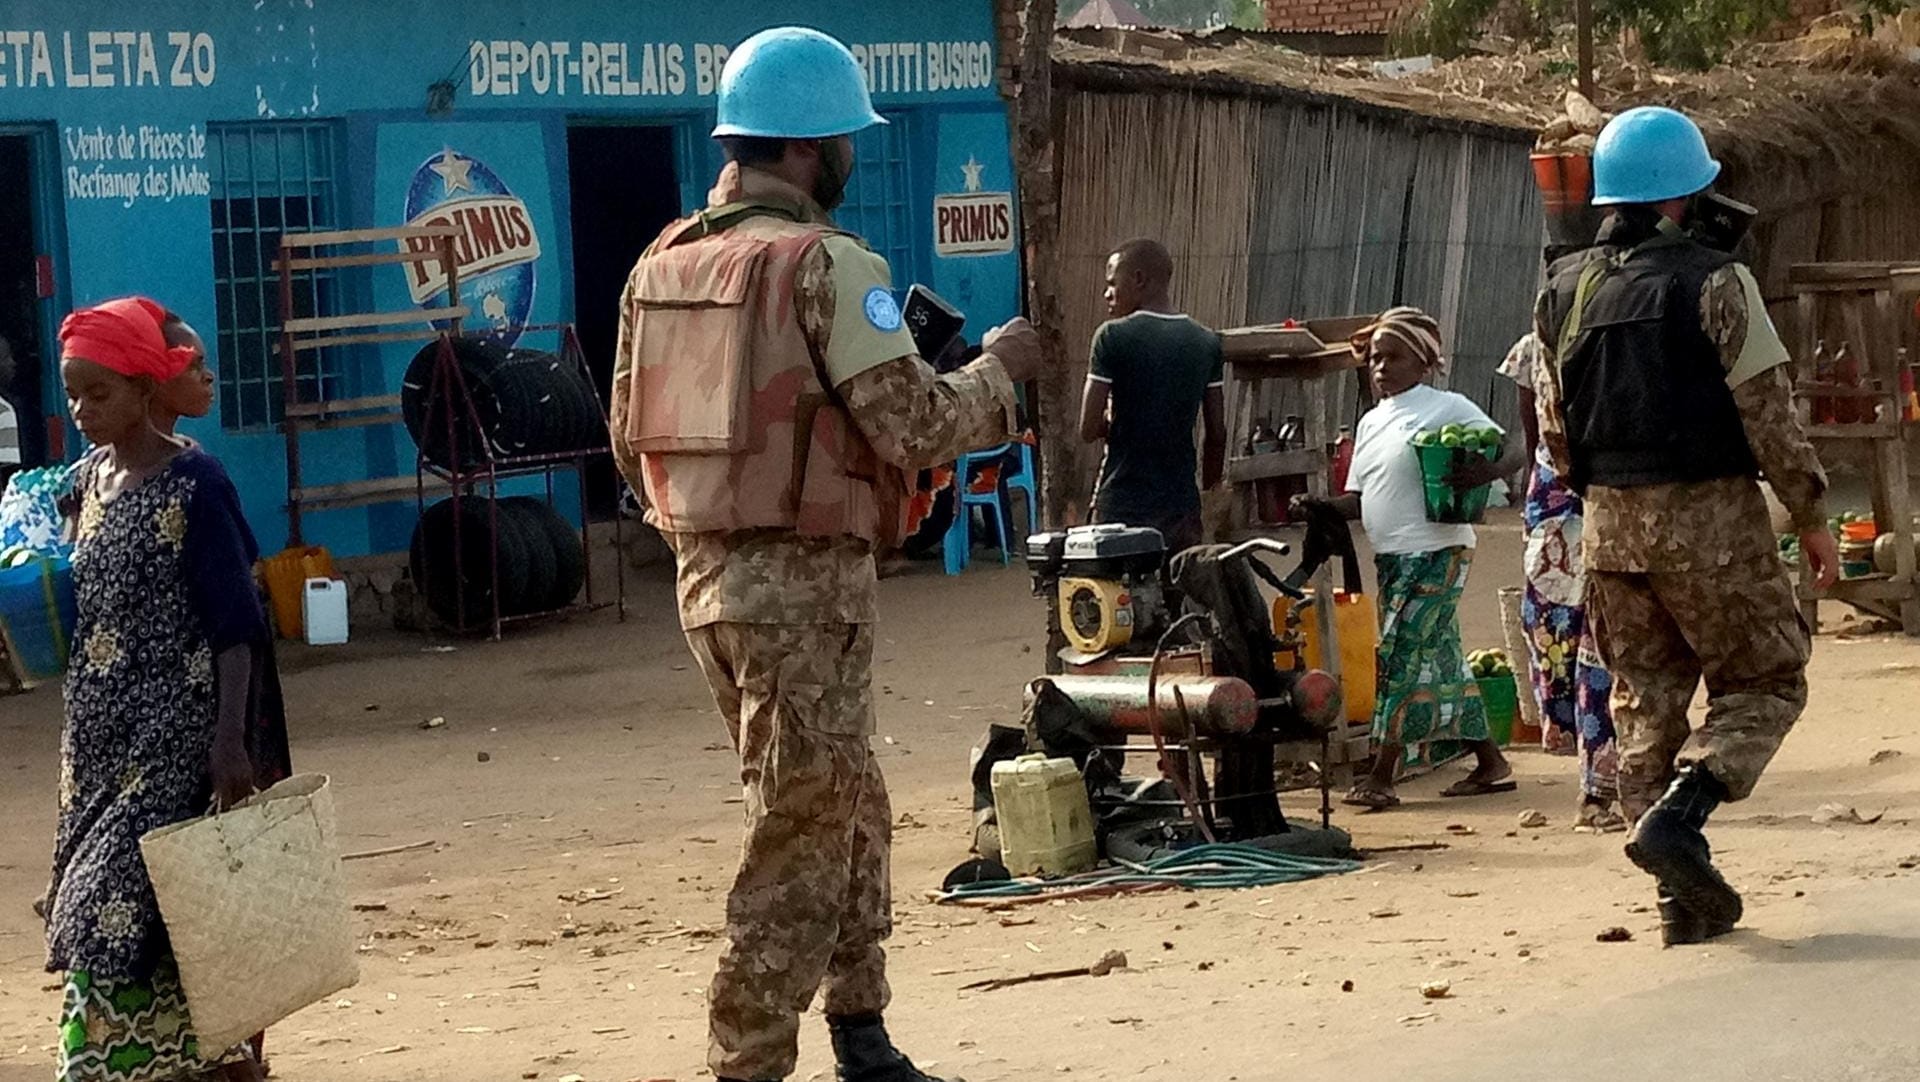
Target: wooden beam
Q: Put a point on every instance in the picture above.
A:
(375, 319)
(1583, 29)
(334, 406)
(373, 490)
(424, 334)
(1295, 463)
(1035, 156)
(368, 259)
(368, 236)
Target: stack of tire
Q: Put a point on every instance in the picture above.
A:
(525, 402)
(542, 563)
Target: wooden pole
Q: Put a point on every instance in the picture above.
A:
(1054, 414)
(1583, 18)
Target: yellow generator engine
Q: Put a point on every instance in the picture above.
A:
(1096, 614)
(1104, 582)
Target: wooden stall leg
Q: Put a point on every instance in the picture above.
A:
(1899, 497)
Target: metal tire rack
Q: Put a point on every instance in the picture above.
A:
(449, 399)
(441, 323)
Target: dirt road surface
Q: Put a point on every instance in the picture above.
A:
(562, 923)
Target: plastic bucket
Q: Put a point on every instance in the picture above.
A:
(1444, 502)
(38, 614)
(1501, 694)
(1566, 193)
(287, 576)
(1859, 531)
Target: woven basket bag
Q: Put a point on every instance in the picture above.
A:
(256, 906)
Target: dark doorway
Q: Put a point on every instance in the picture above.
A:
(20, 297)
(625, 191)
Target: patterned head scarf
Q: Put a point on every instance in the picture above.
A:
(1410, 325)
(125, 335)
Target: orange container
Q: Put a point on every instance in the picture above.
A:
(286, 576)
(1859, 531)
(1566, 191)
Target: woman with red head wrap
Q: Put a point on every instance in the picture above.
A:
(157, 697)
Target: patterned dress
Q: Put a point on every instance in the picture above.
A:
(1569, 681)
(1426, 692)
(164, 584)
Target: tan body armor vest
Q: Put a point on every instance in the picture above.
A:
(731, 414)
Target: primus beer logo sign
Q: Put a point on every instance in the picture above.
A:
(494, 252)
(972, 222)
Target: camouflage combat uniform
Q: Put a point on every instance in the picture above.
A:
(1684, 579)
(781, 625)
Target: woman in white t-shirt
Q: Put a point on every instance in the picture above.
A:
(1426, 692)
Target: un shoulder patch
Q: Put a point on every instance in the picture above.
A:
(882, 310)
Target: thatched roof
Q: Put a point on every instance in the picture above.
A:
(1837, 102)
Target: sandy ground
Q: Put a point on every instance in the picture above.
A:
(607, 773)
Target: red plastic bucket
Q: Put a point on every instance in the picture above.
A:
(1566, 192)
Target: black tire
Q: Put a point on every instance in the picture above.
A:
(431, 556)
(569, 403)
(532, 555)
(478, 359)
(526, 423)
(563, 542)
(555, 566)
(466, 599)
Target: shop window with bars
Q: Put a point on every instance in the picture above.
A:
(879, 204)
(269, 178)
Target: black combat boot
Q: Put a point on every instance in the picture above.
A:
(1680, 926)
(866, 1054)
(1668, 845)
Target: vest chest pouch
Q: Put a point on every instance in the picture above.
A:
(691, 342)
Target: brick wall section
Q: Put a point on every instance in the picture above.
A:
(1006, 18)
(1349, 16)
(1381, 16)
(1801, 15)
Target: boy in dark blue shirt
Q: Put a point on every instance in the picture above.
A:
(1153, 372)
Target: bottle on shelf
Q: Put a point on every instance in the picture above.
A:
(1342, 460)
(1822, 375)
(1909, 400)
(1262, 441)
(1846, 372)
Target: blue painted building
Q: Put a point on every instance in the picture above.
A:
(162, 148)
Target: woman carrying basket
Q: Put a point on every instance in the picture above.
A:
(157, 702)
(1425, 692)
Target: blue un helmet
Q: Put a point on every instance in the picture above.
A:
(791, 82)
(1650, 155)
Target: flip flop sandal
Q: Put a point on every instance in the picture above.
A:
(1370, 799)
(1469, 787)
(1600, 820)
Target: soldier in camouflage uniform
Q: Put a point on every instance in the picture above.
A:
(768, 404)
(1664, 395)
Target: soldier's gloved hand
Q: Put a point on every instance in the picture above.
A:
(1016, 345)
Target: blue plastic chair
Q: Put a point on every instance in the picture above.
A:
(957, 545)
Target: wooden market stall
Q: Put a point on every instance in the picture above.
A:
(1285, 377)
(1865, 415)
